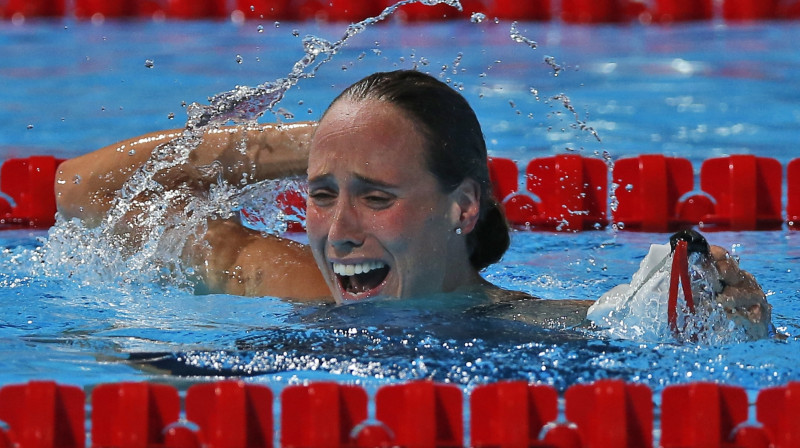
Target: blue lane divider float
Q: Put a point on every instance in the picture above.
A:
(235, 414)
(567, 192)
(570, 11)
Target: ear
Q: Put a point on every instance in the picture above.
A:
(466, 205)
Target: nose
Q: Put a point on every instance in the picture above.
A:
(346, 230)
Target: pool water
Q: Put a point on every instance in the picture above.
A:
(695, 91)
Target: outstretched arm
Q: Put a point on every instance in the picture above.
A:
(86, 185)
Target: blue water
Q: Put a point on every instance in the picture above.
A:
(695, 91)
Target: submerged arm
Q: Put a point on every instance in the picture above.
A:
(86, 185)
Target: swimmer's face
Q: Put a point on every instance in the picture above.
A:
(741, 297)
(378, 222)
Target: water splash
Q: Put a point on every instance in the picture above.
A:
(517, 36)
(638, 310)
(579, 123)
(246, 104)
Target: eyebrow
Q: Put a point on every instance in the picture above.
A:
(323, 179)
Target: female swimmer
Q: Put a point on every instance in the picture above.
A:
(399, 204)
(399, 200)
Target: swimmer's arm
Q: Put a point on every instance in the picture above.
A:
(232, 259)
(85, 186)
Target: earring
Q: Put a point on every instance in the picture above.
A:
(458, 230)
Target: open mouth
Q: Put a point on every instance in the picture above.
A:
(361, 280)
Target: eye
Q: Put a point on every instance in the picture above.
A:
(378, 199)
(322, 196)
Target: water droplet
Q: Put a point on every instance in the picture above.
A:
(239, 59)
(277, 24)
(551, 61)
(170, 116)
(252, 8)
(517, 36)
(76, 180)
(149, 63)
(295, 33)
(260, 28)
(285, 113)
(477, 17)
(30, 126)
(132, 152)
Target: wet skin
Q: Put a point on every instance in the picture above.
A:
(740, 295)
(375, 208)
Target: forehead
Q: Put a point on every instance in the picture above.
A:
(368, 133)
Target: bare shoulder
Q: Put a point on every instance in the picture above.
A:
(548, 313)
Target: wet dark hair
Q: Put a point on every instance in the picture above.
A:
(456, 149)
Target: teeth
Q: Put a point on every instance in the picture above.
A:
(359, 268)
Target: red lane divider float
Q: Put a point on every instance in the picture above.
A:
(565, 192)
(332, 410)
(28, 183)
(710, 415)
(511, 413)
(231, 414)
(234, 414)
(571, 11)
(649, 191)
(43, 414)
(667, 11)
(132, 415)
(747, 190)
(740, 192)
(568, 192)
(793, 193)
(422, 414)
